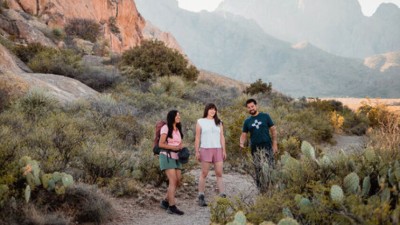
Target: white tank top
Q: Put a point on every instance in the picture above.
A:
(210, 134)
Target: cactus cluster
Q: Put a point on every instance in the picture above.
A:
(57, 182)
(336, 194)
(34, 177)
(308, 150)
(351, 183)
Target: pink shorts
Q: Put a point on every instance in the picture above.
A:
(211, 155)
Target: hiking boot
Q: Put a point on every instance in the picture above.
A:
(222, 195)
(164, 204)
(202, 201)
(173, 210)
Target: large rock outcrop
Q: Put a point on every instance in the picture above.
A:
(62, 88)
(56, 13)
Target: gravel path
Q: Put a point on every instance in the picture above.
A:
(149, 212)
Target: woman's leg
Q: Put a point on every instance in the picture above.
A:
(205, 167)
(173, 181)
(218, 166)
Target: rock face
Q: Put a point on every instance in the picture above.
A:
(62, 88)
(56, 13)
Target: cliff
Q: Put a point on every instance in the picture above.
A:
(56, 13)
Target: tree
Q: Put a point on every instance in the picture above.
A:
(259, 87)
(156, 59)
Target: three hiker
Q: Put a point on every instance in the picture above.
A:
(210, 148)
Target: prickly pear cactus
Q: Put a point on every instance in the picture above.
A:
(336, 194)
(366, 186)
(288, 221)
(31, 171)
(287, 213)
(27, 193)
(385, 195)
(240, 219)
(351, 183)
(308, 150)
(305, 205)
(325, 162)
(370, 155)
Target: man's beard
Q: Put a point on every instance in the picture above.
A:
(253, 112)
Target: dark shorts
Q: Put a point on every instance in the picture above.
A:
(169, 163)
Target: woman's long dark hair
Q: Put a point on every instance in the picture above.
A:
(170, 123)
(212, 106)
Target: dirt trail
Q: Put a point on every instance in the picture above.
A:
(130, 212)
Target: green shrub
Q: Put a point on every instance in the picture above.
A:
(28, 52)
(58, 34)
(84, 28)
(259, 87)
(153, 57)
(62, 62)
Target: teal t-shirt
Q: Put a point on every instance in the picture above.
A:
(258, 126)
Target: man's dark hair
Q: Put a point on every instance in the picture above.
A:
(251, 100)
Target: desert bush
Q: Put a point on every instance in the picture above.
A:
(205, 92)
(126, 187)
(28, 52)
(62, 62)
(259, 87)
(84, 28)
(11, 88)
(103, 159)
(37, 104)
(173, 86)
(58, 34)
(98, 78)
(153, 57)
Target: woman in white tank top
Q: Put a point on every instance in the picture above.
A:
(210, 149)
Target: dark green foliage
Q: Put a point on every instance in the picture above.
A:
(27, 53)
(259, 87)
(84, 28)
(154, 58)
(62, 62)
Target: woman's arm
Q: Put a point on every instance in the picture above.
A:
(197, 141)
(222, 139)
(163, 144)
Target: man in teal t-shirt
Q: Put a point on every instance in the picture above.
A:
(262, 136)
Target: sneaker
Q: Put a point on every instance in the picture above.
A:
(173, 210)
(164, 204)
(202, 201)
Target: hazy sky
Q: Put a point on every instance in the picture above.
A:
(368, 6)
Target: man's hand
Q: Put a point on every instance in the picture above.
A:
(275, 148)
